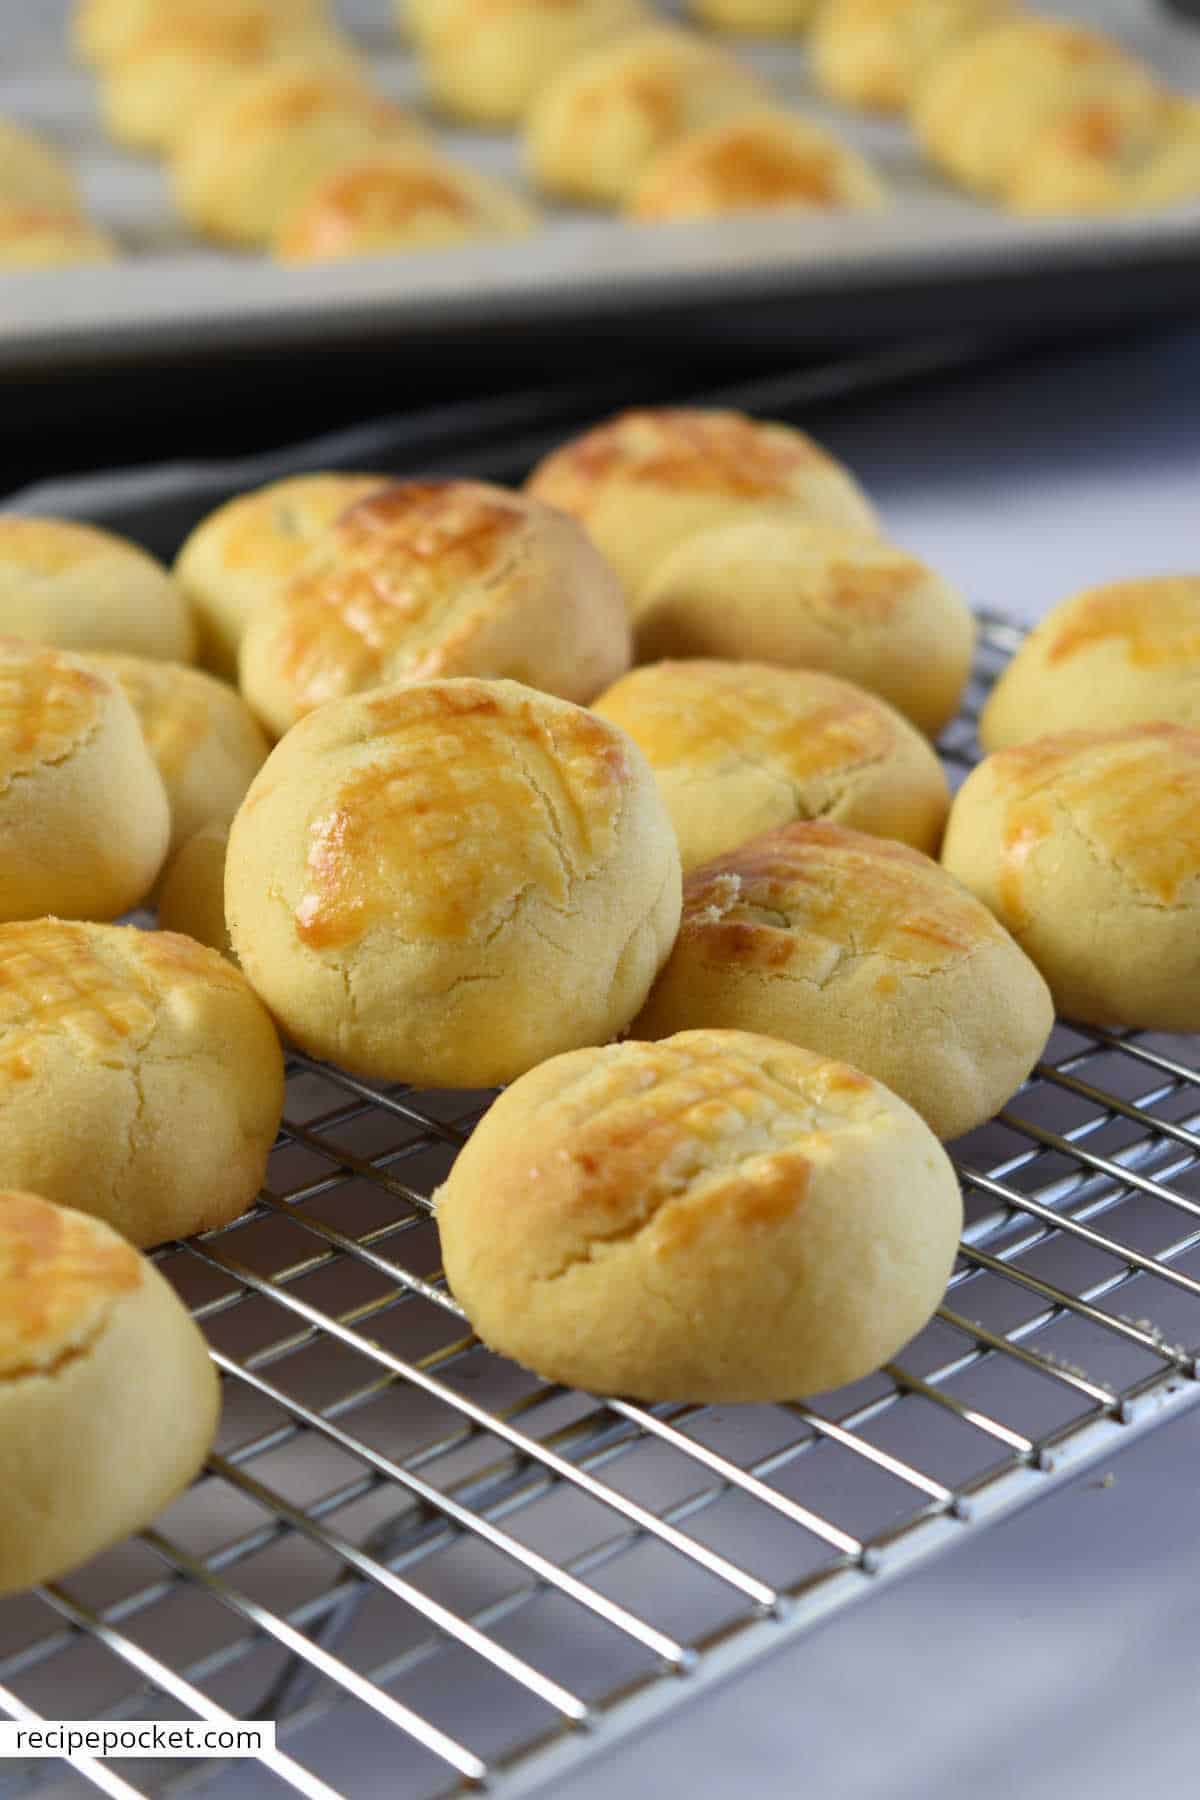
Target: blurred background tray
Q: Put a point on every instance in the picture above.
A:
(587, 283)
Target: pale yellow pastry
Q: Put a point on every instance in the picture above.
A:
(875, 53)
(390, 203)
(596, 126)
(86, 589)
(204, 740)
(415, 18)
(1123, 654)
(142, 1079)
(156, 85)
(33, 175)
(251, 544)
(250, 156)
(752, 162)
(985, 101)
(108, 1397)
(83, 814)
(1086, 846)
(446, 883)
(717, 1217)
(31, 238)
(738, 748)
(102, 29)
(643, 482)
(859, 948)
(757, 18)
(426, 579)
(1101, 159)
(191, 894)
(780, 590)
(488, 60)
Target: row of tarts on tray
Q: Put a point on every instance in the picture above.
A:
(278, 137)
(688, 910)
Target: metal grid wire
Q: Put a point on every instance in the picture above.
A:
(408, 1549)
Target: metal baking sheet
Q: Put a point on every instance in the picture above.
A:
(934, 257)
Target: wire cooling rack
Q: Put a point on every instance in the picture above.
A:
(417, 1556)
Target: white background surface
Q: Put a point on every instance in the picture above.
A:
(1057, 1654)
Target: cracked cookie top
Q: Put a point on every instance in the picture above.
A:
(98, 987)
(1133, 795)
(486, 789)
(61, 1274)
(810, 896)
(49, 704)
(717, 1127)
(702, 713)
(739, 748)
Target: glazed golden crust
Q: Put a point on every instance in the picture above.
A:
(250, 545)
(755, 161)
(1086, 845)
(739, 748)
(102, 29)
(61, 1275)
(863, 949)
(644, 481)
(425, 579)
(595, 128)
(32, 238)
(1102, 157)
(142, 1080)
(33, 176)
(689, 1220)
(875, 53)
(770, 18)
(251, 155)
(986, 100)
(85, 589)
(782, 590)
(1126, 653)
(83, 814)
(488, 60)
(96, 1352)
(420, 873)
(191, 894)
(204, 740)
(49, 706)
(399, 202)
(158, 82)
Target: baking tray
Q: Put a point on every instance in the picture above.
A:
(934, 258)
(436, 1571)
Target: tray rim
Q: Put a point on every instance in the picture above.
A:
(185, 306)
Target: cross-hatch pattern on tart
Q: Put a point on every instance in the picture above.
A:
(270, 533)
(48, 706)
(387, 579)
(1156, 622)
(810, 899)
(60, 1277)
(56, 982)
(694, 1130)
(702, 713)
(1133, 794)
(485, 795)
(688, 451)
